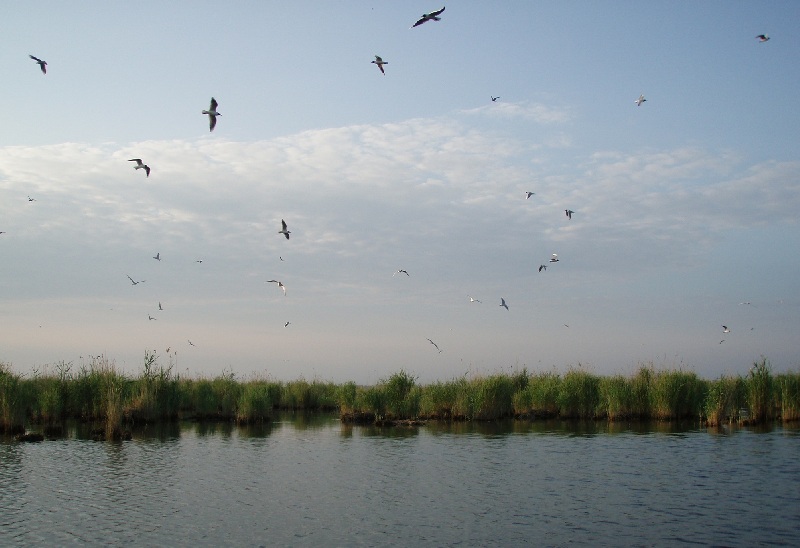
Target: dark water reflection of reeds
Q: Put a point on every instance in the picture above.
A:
(308, 479)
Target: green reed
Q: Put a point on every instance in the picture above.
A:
(98, 392)
(788, 388)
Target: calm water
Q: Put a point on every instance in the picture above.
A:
(313, 481)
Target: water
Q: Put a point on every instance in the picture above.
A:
(311, 481)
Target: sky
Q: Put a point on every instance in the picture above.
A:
(684, 207)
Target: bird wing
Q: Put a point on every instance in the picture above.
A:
(378, 60)
(147, 170)
(435, 13)
(283, 224)
(213, 104)
(137, 160)
(212, 121)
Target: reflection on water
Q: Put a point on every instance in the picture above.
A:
(310, 480)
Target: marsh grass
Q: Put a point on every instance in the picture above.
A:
(97, 392)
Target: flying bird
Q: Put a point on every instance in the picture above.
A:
(542, 267)
(283, 229)
(380, 62)
(640, 100)
(494, 98)
(554, 258)
(286, 324)
(140, 165)
(149, 317)
(569, 213)
(31, 199)
(157, 256)
(159, 307)
(42, 64)
(473, 300)
(191, 343)
(503, 303)
(135, 282)
(212, 114)
(750, 304)
(760, 37)
(529, 194)
(401, 271)
(432, 16)
(725, 329)
(199, 261)
(436, 345)
(280, 285)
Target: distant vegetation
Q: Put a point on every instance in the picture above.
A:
(98, 393)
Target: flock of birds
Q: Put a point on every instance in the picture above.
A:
(213, 113)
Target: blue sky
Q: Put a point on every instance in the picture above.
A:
(684, 207)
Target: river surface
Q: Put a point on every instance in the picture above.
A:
(312, 481)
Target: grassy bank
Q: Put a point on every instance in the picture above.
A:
(99, 393)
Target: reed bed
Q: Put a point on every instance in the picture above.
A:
(99, 393)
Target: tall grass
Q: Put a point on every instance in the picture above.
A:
(98, 392)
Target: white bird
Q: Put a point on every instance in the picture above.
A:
(432, 16)
(191, 343)
(473, 300)
(159, 305)
(725, 329)
(157, 256)
(280, 285)
(436, 345)
(286, 324)
(760, 37)
(401, 271)
(149, 317)
(380, 62)
(140, 165)
(134, 282)
(494, 98)
(283, 229)
(569, 213)
(42, 64)
(554, 258)
(529, 194)
(31, 199)
(503, 303)
(750, 304)
(212, 114)
(640, 100)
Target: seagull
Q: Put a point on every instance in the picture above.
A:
(149, 317)
(542, 267)
(191, 343)
(503, 303)
(640, 100)
(159, 307)
(212, 114)
(280, 284)
(473, 300)
(569, 213)
(750, 304)
(401, 271)
(725, 329)
(286, 324)
(722, 341)
(554, 258)
(283, 230)
(760, 37)
(494, 98)
(565, 325)
(31, 199)
(281, 258)
(529, 194)
(157, 256)
(380, 62)
(43, 64)
(432, 16)
(436, 345)
(199, 261)
(140, 165)
(134, 282)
